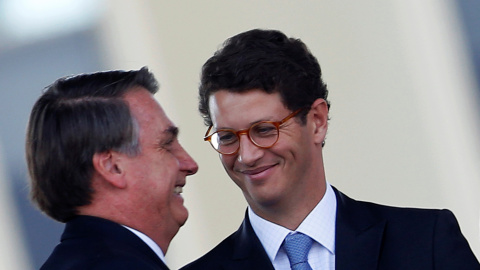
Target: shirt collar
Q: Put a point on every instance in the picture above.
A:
(319, 225)
(149, 242)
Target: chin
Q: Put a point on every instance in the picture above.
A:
(181, 217)
(265, 199)
(183, 221)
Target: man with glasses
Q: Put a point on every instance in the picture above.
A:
(266, 106)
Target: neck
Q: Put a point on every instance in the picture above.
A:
(290, 214)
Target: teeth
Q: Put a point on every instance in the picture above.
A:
(178, 189)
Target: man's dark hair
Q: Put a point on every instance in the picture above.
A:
(266, 60)
(72, 120)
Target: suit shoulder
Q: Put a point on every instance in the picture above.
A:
(434, 231)
(406, 213)
(362, 214)
(353, 207)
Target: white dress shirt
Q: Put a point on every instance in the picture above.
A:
(149, 243)
(319, 225)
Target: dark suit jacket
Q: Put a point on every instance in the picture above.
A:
(95, 243)
(368, 236)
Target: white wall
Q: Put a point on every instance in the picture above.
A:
(403, 131)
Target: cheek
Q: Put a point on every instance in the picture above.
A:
(167, 163)
(228, 162)
(161, 173)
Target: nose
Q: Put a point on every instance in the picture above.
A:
(187, 164)
(248, 153)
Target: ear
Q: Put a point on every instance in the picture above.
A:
(108, 166)
(319, 116)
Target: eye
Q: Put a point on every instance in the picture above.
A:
(226, 137)
(263, 130)
(168, 138)
(167, 143)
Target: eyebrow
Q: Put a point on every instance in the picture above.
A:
(250, 124)
(171, 133)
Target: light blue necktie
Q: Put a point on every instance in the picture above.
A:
(297, 247)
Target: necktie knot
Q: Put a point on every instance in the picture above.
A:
(297, 246)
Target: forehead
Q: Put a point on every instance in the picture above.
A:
(229, 109)
(146, 109)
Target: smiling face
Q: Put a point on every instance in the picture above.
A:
(157, 174)
(286, 177)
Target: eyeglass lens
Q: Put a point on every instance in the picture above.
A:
(262, 134)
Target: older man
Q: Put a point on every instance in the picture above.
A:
(104, 159)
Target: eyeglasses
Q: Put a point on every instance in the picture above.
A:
(263, 134)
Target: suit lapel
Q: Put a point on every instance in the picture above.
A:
(248, 252)
(359, 235)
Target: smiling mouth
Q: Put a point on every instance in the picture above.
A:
(178, 189)
(256, 171)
